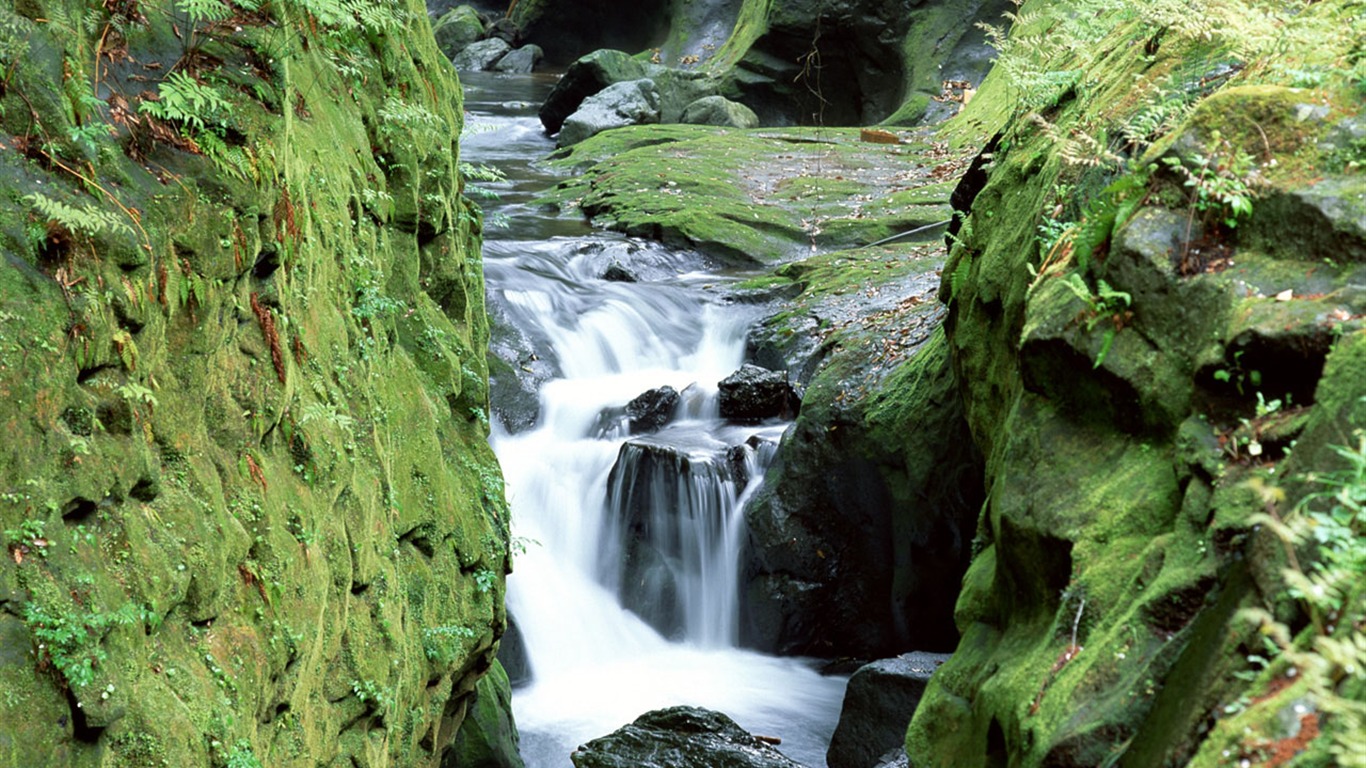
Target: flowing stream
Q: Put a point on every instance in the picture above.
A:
(588, 499)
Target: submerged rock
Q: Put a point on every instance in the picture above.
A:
(680, 736)
(753, 394)
(652, 409)
(878, 705)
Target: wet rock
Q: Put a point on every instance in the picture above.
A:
(568, 28)
(521, 60)
(653, 409)
(479, 56)
(680, 736)
(895, 758)
(878, 705)
(584, 78)
(633, 102)
(754, 394)
(718, 110)
(616, 273)
(457, 29)
(488, 737)
(666, 496)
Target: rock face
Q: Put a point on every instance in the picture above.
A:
(255, 520)
(1133, 410)
(753, 394)
(879, 59)
(652, 409)
(878, 705)
(633, 102)
(568, 29)
(677, 737)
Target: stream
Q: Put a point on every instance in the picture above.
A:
(582, 489)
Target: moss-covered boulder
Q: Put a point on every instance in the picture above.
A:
(249, 513)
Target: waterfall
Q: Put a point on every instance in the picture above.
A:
(627, 594)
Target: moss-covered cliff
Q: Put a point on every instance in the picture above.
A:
(1155, 321)
(250, 517)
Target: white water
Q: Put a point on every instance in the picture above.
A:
(595, 665)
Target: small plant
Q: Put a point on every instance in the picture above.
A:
(187, 102)
(242, 756)
(442, 645)
(28, 537)
(368, 692)
(1106, 304)
(485, 580)
(70, 642)
(1329, 527)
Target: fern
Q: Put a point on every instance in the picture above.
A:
(958, 279)
(186, 101)
(204, 10)
(82, 220)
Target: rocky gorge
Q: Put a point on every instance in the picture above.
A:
(1050, 337)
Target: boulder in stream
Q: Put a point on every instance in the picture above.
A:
(878, 705)
(680, 736)
(479, 56)
(585, 77)
(633, 102)
(520, 60)
(652, 409)
(754, 394)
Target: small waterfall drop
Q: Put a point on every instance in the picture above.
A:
(627, 593)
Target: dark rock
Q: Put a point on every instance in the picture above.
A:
(753, 394)
(664, 496)
(616, 273)
(569, 28)
(505, 29)
(479, 56)
(718, 110)
(520, 61)
(488, 737)
(512, 655)
(585, 77)
(865, 517)
(680, 736)
(633, 102)
(878, 705)
(652, 409)
(457, 29)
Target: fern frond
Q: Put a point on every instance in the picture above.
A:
(83, 220)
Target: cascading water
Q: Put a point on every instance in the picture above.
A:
(626, 594)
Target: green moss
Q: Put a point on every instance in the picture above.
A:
(254, 415)
(754, 196)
